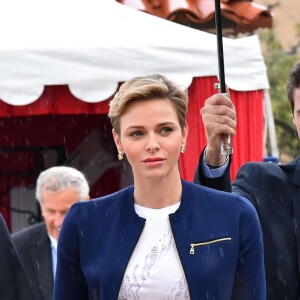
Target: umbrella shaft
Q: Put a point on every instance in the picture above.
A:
(218, 21)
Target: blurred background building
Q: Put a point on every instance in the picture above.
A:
(286, 21)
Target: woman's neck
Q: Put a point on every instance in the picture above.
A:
(157, 193)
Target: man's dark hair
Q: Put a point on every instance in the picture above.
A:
(293, 82)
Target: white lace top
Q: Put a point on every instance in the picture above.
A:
(154, 270)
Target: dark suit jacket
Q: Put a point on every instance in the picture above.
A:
(274, 190)
(11, 269)
(33, 246)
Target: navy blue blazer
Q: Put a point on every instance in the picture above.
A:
(274, 190)
(99, 236)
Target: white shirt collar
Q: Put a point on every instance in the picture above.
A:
(150, 213)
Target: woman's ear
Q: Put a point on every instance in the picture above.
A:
(185, 132)
(117, 140)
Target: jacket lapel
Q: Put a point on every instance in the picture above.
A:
(42, 261)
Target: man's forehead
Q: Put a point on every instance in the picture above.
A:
(68, 194)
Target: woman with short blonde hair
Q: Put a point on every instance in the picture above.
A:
(163, 237)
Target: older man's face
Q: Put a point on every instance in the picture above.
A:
(54, 207)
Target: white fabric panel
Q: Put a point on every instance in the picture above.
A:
(92, 45)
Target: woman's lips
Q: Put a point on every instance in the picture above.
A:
(153, 161)
(150, 159)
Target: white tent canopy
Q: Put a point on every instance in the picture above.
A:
(92, 45)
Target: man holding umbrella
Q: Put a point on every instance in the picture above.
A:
(273, 189)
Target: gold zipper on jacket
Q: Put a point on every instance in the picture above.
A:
(192, 251)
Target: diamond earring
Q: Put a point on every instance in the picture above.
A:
(120, 155)
(182, 148)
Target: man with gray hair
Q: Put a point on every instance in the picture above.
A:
(57, 189)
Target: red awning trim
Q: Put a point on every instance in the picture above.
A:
(56, 99)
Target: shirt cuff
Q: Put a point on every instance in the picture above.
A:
(213, 173)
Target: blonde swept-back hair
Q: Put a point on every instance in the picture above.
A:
(146, 88)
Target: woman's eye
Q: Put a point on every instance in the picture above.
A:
(166, 130)
(135, 134)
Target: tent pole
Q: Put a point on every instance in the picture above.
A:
(271, 124)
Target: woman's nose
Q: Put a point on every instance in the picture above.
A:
(152, 145)
(152, 148)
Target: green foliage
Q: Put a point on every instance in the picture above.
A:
(297, 29)
(279, 63)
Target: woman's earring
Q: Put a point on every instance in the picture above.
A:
(120, 155)
(182, 149)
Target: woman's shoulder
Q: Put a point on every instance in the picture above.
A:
(102, 204)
